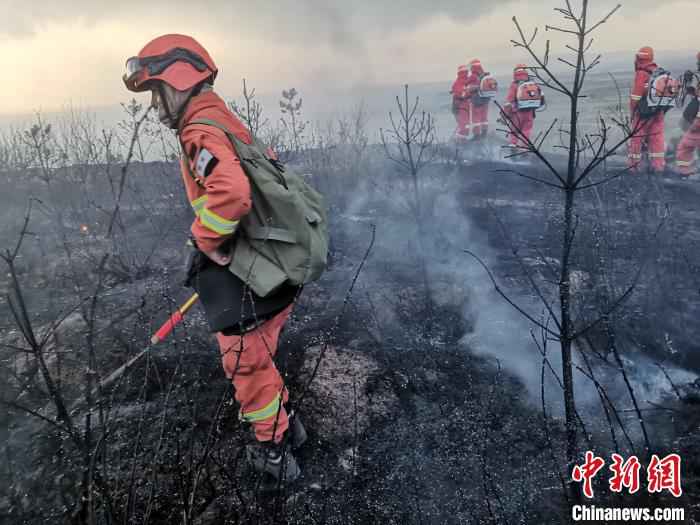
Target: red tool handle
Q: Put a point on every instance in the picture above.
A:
(174, 319)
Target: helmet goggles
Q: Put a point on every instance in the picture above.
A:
(139, 70)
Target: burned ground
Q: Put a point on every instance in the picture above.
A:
(426, 406)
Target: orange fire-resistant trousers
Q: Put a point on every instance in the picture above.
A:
(480, 119)
(685, 153)
(464, 120)
(648, 131)
(523, 121)
(260, 390)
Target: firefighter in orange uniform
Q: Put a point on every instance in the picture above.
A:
(647, 130)
(180, 74)
(460, 104)
(690, 143)
(479, 108)
(518, 119)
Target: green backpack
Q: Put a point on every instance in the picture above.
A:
(284, 238)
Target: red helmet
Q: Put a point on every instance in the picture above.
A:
(476, 66)
(462, 69)
(178, 60)
(520, 72)
(644, 56)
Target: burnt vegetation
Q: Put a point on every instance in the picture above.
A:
(431, 395)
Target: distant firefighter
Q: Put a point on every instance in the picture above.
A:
(482, 88)
(524, 98)
(460, 104)
(653, 93)
(690, 143)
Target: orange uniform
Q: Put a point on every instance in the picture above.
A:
(216, 185)
(180, 74)
(219, 192)
(690, 143)
(479, 111)
(521, 120)
(461, 105)
(650, 130)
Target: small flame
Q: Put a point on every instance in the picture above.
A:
(83, 228)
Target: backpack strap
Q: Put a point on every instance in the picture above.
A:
(252, 152)
(254, 145)
(213, 123)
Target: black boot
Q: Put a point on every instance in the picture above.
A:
(274, 459)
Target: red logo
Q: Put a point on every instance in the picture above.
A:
(587, 472)
(625, 474)
(662, 474)
(665, 474)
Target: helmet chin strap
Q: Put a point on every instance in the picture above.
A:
(174, 103)
(175, 106)
(165, 104)
(202, 87)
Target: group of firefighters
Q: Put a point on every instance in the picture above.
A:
(475, 88)
(654, 92)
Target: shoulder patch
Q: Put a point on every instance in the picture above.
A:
(205, 162)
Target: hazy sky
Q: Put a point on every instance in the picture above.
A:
(58, 53)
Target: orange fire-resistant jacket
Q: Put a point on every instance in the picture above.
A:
(216, 185)
(460, 92)
(473, 81)
(641, 84)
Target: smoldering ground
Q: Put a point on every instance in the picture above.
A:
(426, 406)
(489, 326)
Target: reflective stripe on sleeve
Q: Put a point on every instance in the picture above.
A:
(635, 97)
(216, 223)
(657, 155)
(684, 163)
(199, 203)
(265, 412)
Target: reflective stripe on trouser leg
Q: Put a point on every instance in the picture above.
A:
(685, 152)
(463, 122)
(247, 361)
(265, 412)
(634, 147)
(480, 119)
(633, 160)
